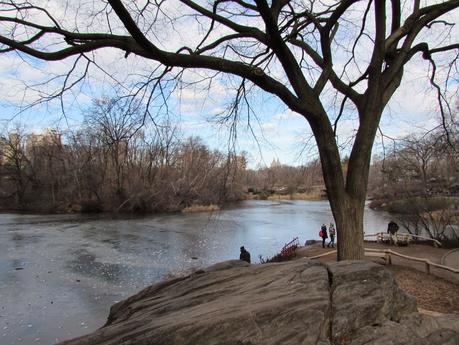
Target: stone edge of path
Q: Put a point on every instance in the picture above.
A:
(443, 258)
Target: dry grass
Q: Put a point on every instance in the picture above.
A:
(312, 195)
(201, 208)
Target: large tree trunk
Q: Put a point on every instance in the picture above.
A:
(349, 224)
(347, 195)
(348, 214)
(347, 209)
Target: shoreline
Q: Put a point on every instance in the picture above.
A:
(190, 209)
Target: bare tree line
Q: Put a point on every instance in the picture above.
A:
(115, 162)
(305, 181)
(418, 180)
(93, 169)
(111, 164)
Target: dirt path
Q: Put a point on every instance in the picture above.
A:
(435, 292)
(451, 258)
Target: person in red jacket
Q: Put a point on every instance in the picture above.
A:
(323, 234)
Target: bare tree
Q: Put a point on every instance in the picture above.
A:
(13, 145)
(424, 219)
(414, 182)
(291, 49)
(86, 166)
(115, 122)
(416, 155)
(47, 159)
(418, 165)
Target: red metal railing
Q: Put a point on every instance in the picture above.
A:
(289, 248)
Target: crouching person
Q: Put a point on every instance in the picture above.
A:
(245, 255)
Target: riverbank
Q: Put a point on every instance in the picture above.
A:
(308, 196)
(436, 292)
(98, 208)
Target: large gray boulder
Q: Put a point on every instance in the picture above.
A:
(296, 302)
(364, 294)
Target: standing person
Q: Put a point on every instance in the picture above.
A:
(323, 234)
(332, 232)
(392, 229)
(245, 255)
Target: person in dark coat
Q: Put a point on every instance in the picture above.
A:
(245, 255)
(392, 229)
(323, 234)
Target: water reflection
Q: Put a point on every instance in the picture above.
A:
(75, 267)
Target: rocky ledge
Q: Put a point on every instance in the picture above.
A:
(296, 302)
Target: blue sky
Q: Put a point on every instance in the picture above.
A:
(276, 132)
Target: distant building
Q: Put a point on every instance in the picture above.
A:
(3, 146)
(47, 138)
(42, 148)
(33, 145)
(241, 162)
(8, 148)
(275, 163)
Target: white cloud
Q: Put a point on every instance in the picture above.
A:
(269, 126)
(286, 115)
(193, 125)
(217, 111)
(187, 108)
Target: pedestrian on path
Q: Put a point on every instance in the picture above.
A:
(323, 234)
(392, 229)
(332, 232)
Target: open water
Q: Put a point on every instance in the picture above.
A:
(59, 274)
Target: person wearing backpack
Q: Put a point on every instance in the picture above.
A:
(332, 232)
(323, 234)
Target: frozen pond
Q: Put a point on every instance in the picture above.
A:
(59, 274)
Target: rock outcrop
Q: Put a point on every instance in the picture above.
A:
(296, 302)
(310, 242)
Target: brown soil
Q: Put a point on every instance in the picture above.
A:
(435, 292)
(432, 292)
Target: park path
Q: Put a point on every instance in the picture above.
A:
(436, 255)
(451, 258)
(434, 295)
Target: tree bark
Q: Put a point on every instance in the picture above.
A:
(347, 208)
(349, 224)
